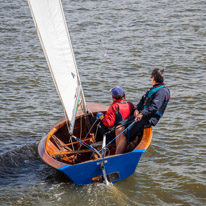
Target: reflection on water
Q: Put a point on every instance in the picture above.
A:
(115, 43)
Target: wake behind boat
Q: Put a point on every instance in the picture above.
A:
(71, 145)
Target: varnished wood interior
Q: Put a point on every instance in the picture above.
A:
(58, 143)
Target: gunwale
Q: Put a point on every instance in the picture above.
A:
(93, 108)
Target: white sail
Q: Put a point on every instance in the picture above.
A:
(51, 27)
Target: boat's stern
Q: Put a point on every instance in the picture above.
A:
(117, 168)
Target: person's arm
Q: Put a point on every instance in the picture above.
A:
(109, 118)
(140, 104)
(137, 110)
(158, 100)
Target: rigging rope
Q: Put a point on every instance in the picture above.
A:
(118, 135)
(86, 145)
(96, 151)
(88, 131)
(66, 119)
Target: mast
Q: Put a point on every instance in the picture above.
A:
(80, 100)
(55, 40)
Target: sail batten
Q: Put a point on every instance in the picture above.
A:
(53, 33)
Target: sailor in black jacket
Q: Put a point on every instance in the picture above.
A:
(153, 104)
(147, 112)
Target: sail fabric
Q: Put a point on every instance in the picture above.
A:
(51, 27)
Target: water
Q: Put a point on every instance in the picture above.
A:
(115, 43)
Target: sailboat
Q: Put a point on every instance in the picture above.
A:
(70, 145)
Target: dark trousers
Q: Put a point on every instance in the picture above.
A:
(135, 129)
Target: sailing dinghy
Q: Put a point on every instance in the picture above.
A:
(70, 145)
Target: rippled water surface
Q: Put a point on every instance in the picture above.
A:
(115, 43)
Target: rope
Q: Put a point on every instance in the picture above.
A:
(87, 145)
(118, 134)
(80, 132)
(128, 141)
(88, 133)
(92, 148)
(91, 128)
(114, 128)
(98, 125)
(68, 127)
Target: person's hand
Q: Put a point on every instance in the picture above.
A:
(100, 115)
(138, 116)
(136, 112)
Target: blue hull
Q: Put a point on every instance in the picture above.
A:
(124, 164)
(118, 167)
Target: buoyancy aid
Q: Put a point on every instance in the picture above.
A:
(124, 109)
(149, 97)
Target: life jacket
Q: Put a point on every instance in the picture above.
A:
(124, 109)
(149, 97)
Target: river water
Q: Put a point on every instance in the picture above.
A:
(115, 43)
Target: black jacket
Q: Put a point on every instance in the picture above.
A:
(159, 98)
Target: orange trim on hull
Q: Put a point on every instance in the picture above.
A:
(146, 139)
